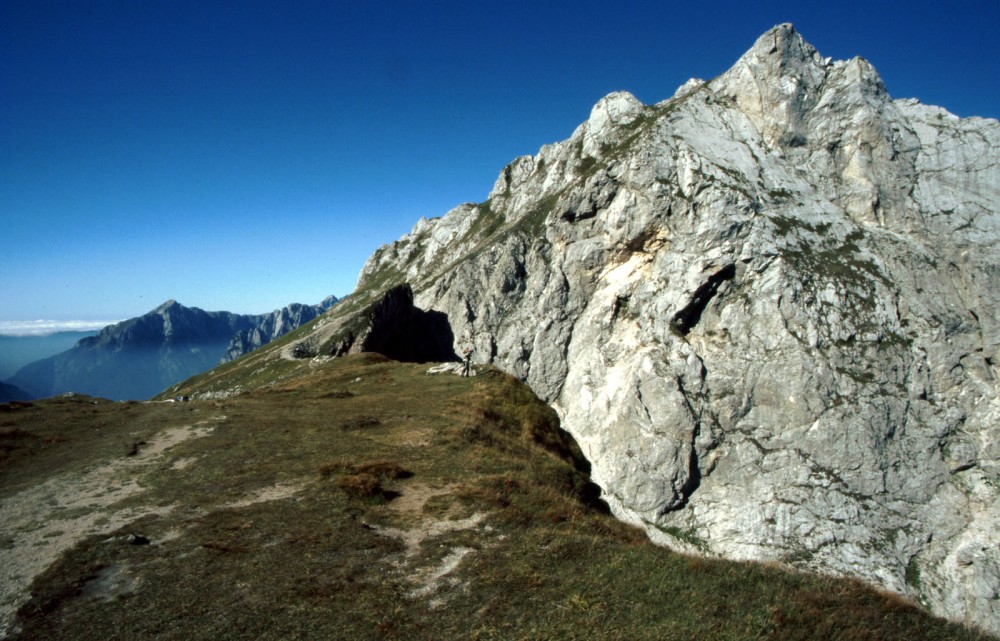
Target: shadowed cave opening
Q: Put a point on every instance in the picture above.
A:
(406, 333)
(393, 327)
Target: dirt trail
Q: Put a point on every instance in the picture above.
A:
(275, 492)
(42, 522)
(428, 579)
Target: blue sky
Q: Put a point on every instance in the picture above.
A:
(244, 155)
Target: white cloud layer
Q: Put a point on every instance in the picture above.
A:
(46, 327)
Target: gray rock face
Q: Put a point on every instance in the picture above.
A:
(274, 325)
(767, 309)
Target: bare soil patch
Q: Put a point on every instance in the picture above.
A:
(43, 521)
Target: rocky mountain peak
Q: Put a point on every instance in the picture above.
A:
(141, 356)
(766, 309)
(169, 305)
(691, 85)
(775, 83)
(606, 118)
(782, 51)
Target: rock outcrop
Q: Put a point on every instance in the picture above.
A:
(767, 309)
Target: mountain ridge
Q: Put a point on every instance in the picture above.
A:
(10, 392)
(139, 357)
(16, 351)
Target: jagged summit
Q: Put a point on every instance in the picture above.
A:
(783, 44)
(274, 325)
(166, 306)
(766, 308)
(609, 115)
(782, 79)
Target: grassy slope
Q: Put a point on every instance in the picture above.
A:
(325, 558)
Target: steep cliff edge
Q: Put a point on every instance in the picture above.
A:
(767, 310)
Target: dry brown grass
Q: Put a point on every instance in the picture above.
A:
(363, 485)
(384, 469)
(327, 469)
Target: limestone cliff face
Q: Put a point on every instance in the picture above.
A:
(767, 308)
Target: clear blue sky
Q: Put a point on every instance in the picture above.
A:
(244, 155)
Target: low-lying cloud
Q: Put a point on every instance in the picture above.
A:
(46, 327)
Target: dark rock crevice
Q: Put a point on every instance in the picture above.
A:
(693, 480)
(686, 319)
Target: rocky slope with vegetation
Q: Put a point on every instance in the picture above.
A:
(268, 327)
(766, 307)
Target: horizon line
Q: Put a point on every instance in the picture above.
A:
(42, 327)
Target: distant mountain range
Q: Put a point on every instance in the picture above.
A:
(271, 326)
(139, 357)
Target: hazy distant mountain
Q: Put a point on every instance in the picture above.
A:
(10, 392)
(18, 351)
(141, 356)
